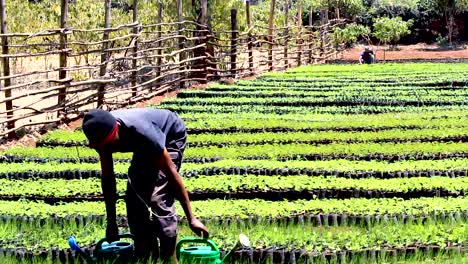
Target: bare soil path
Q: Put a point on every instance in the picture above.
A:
(409, 52)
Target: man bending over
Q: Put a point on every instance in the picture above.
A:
(157, 140)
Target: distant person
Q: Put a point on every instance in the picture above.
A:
(367, 56)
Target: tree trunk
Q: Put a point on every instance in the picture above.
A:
(323, 30)
(105, 53)
(233, 42)
(180, 28)
(201, 35)
(270, 35)
(134, 81)
(286, 35)
(63, 54)
(299, 35)
(311, 23)
(449, 18)
(249, 44)
(6, 71)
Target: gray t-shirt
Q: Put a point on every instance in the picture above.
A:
(146, 132)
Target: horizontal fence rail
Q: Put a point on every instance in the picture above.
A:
(55, 75)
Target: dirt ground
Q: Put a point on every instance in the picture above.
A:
(409, 52)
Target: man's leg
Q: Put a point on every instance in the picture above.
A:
(167, 239)
(139, 221)
(164, 220)
(163, 205)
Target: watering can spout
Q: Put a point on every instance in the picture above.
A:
(243, 241)
(74, 246)
(72, 243)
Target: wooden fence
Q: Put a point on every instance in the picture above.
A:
(54, 75)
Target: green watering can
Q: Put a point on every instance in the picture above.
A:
(206, 251)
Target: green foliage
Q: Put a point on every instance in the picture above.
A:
(266, 151)
(308, 237)
(221, 14)
(442, 5)
(237, 183)
(330, 165)
(442, 41)
(375, 121)
(350, 7)
(332, 136)
(206, 139)
(351, 129)
(349, 34)
(395, 7)
(24, 16)
(88, 14)
(243, 209)
(327, 165)
(390, 30)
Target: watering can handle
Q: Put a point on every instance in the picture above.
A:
(195, 240)
(99, 243)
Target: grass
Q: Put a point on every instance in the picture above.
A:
(441, 258)
(335, 81)
(37, 238)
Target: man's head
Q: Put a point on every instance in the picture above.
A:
(100, 127)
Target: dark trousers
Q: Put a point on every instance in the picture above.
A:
(157, 193)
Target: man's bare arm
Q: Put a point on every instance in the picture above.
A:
(109, 191)
(164, 163)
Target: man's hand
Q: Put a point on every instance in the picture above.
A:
(112, 232)
(199, 228)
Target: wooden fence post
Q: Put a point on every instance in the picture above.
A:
(233, 42)
(104, 54)
(311, 13)
(180, 30)
(299, 34)
(158, 41)
(6, 71)
(135, 31)
(212, 65)
(63, 53)
(323, 21)
(270, 35)
(286, 35)
(249, 37)
(201, 37)
(204, 21)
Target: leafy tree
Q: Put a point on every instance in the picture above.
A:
(349, 34)
(450, 8)
(390, 30)
(394, 8)
(346, 7)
